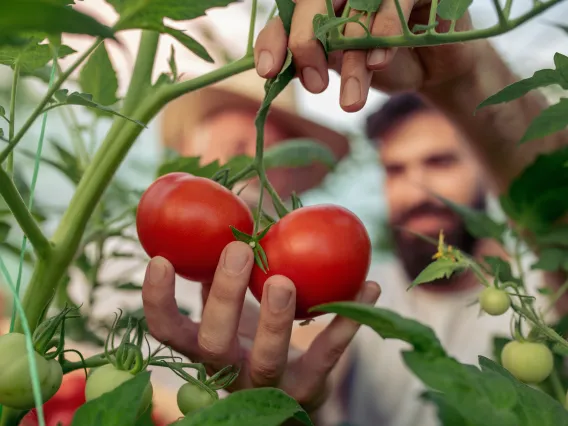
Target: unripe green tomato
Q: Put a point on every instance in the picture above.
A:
(191, 397)
(107, 378)
(494, 301)
(529, 362)
(16, 389)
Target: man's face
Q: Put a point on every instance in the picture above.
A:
(231, 133)
(422, 156)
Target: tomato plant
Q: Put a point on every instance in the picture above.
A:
(326, 252)
(192, 397)
(15, 378)
(530, 362)
(187, 220)
(106, 378)
(494, 301)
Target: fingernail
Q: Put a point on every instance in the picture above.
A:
(278, 297)
(156, 270)
(369, 294)
(235, 259)
(377, 57)
(351, 92)
(265, 63)
(312, 79)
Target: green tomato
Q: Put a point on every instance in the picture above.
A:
(529, 362)
(191, 397)
(494, 301)
(16, 389)
(107, 378)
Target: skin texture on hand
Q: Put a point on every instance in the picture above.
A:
(256, 339)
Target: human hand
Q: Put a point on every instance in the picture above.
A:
(389, 70)
(234, 332)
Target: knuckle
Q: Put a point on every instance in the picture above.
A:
(225, 295)
(274, 326)
(264, 372)
(210, 349)
(302, 49)
(352, 61)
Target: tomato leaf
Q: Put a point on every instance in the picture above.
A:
(370, 6)
(4, 231)
(249, 407)
(323, 24)
(172, 63)
(481, 397)
(20, 16)
(556, 235)
(286, 11)
(98, 77)
(190, 43)
(109, 408)
(85, 99)
(501, 269)
(193, 166)
(478, 223)
(388, 324)
(31, 56)
(535, 200)
(551, 120)
(534, 407)
(453, 9)
(541, 78)
(440, 268)
(447, 414)
(551, 259)
(298, 153)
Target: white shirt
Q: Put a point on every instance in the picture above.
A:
(380, 389)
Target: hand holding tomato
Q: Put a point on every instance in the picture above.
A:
(235, 332)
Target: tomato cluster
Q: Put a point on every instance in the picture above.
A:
(325, 250)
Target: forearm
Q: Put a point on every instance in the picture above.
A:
(494, 131)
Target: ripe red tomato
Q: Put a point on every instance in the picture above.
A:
(71, 394)
(186, 219)
(61, 417)
(325, 250)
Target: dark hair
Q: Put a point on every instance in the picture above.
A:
(393, 112)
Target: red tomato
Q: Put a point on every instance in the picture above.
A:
(63, 417)
(187, 219)
(325, 250)
(71, 394)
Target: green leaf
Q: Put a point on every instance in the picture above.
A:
(172, 63)
(69, 164)
(31, 56)
(561, 63)
(193, 166)
(116, 408)
(4, 231)
(298, 153)
(261, 406)
(453, 9)
(535, 200)
(86, 99)
(370, 6)
(534, 407)
(98, 77)
(520, 88)
(481, 397)
(129, 287)
(551, 259)
(286, 11)
(447, 414)
(420, 27)
(2, 111)
(190, 43)
(440, 268)
(388, 324)
(551, 120)
(501, 268)
(323, 24)
(556, 235)
(19, 16)
(478, 223)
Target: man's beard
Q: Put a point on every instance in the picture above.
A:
(416, 254)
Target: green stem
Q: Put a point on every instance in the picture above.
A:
(330, 9)
(26, 221)
(559, 391)
(559, 293)
(432, 17)
(403, 22)
(272, 13)
(547, 331)
(427, 39)
(502, 19)
(250, 43)
(12, 125)
(102, 168)
(142, 73)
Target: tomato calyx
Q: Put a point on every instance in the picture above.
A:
(254, 241)
(296, 202)
(44, 339)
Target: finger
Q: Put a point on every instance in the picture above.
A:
(217, 337)
(326, 349)
(307, 51)
(387, 23)
(165, 322)
(270, 49)
(355, 76)
(270, 349)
